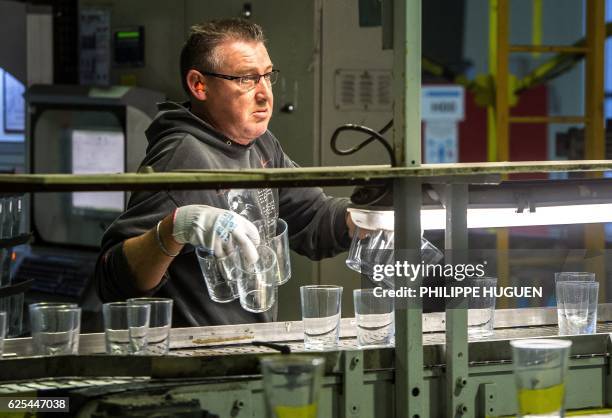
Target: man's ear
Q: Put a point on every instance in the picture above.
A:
(196, 84)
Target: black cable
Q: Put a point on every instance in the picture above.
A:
(374, 136)
(284, 349)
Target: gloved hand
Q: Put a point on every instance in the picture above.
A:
(218, 230)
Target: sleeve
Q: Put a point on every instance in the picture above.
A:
(317, 222)
(113, 277)
(114, 280)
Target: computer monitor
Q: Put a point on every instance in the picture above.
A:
(75, 141)
(83, 130)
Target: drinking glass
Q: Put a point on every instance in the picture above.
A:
(277, 238)
(540, 367)
(291, 385)
(257, 281)
(126, 327)
(160, 322)
(55, 329)
(375, 247)
(577, 307)
(220, 288)
(574, 276)
(481, 309)
(3, 325)
(321, 316)
(374, 317)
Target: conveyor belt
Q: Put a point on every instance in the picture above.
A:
(227, 350)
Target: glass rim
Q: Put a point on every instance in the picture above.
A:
(541, 344)
(62, 309)
(207, 252)
(264, 270)
(571, 283)
(39, 305)
(123, 304)
(366, 290)
(150, 300)
(321, 286)
(482, 278)
(370, 291)
(577, 273)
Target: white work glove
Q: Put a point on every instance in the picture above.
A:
(217, 230)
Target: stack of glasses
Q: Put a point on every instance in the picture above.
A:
(11, 296)
(576, 294)
(139, 326)
(254, 284)
(55, 328)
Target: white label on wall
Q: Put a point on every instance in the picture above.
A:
(441, 144)
(442, 103)
(98, 152)
(94, 47)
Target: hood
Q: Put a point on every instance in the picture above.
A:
(177, 118)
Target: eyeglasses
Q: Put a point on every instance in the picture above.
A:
(247, 82)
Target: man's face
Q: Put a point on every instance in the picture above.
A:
(241, 114)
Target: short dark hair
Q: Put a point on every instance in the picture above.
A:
(199, 51)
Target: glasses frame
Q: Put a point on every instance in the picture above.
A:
(243, 79)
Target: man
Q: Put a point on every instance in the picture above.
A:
(149, 249)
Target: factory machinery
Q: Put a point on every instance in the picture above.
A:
(215, 370)
(432, 371)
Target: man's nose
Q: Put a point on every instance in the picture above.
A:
(263, 89)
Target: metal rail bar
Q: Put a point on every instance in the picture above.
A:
(549, 48)
(297, 177)
(548, 119)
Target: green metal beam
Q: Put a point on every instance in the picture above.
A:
(295, 177)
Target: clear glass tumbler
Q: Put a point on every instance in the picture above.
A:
(3, 326)
(126, 327)
(160, 322)
(257, 281)
(577, 307)
(375, 247)
(55, 329)
(292, 384)
(220, 288)
(574, 276)
(277, 238)
(374, 317)
(481, 309)
(540, 367)
(321, 316)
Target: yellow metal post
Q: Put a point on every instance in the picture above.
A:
(491, 122)
(536, 26)
(594, 132)
(499, 148)
(501, 83)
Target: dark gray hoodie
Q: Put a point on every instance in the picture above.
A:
(179, 140)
